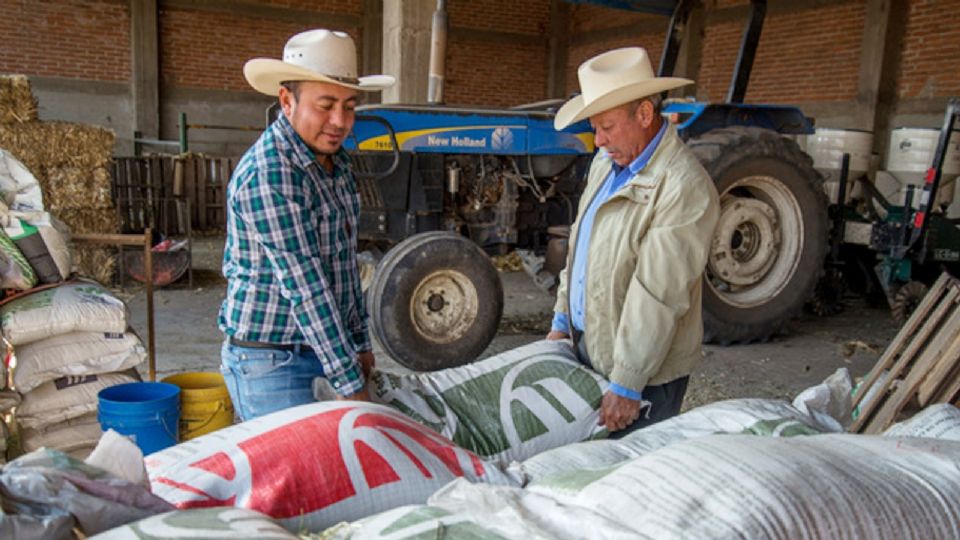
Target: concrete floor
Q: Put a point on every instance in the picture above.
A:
(187, 337)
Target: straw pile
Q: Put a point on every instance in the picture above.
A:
(70, 161)
(17, 103)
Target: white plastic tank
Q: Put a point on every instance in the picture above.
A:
(827, 146)
(909, 156)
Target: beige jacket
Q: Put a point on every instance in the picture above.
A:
(648, 249)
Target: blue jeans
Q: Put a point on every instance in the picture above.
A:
(261, 381)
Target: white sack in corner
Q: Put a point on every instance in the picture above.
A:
(19, 189)
(72, 307)
(315, 465)
(64, 398)
(76, 353)
(507, 407)
(941, 421)
(119, 456)
(837, 486)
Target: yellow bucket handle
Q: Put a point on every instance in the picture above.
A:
(220, 406)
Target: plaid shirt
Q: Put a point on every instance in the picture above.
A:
(290, 258)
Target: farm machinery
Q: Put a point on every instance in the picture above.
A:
(443, 187)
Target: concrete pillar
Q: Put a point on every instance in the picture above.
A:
(880, 57)
(559, 47)
(145, 67)
(691, 51)
(371, 23)
(406, 48)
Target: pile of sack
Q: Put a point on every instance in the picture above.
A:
(735, 469)
(748, 468)
(68, 343)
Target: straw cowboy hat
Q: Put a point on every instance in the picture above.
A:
(315, 55)
(611, 79)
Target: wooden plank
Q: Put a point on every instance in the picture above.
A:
(887, 414)
(912, 348)
(904, 336)
(940, 376)
(951, 389)
(189, 184)
(202, 192)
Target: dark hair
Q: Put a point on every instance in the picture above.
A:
(653, 99)
(293, 87)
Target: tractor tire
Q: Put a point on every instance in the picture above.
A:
(772, 237)
(435, 301)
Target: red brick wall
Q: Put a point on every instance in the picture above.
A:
(585, 18)
(931, 50)
(67, 38)
(805, 55)
(485, 73)
(207, 49)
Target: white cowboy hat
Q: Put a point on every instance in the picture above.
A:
(315, 55)
(611, 79)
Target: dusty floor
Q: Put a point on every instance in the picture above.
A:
(187, 337)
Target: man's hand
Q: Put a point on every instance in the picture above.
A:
(366, 362)
(618, 412)
(556, 334)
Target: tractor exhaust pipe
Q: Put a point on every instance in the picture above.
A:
(438, 53)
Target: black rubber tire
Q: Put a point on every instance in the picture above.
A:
(395, 284)
(906, 300)
(728, 155)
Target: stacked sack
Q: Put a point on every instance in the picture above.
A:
(69, 342)
(8, 400)
(70, 162)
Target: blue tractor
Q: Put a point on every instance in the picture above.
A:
(442, 187)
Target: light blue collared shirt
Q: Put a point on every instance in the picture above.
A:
(617, 178)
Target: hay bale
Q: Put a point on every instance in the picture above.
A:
(17, 103)
(90, 220)
(46, 145)
(72, 188)
(96, 262)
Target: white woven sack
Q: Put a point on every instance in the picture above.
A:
(77, 436)
(72, 307)
(508, 407)
(483, 511)
(766, 417)
(837, 486)
(224, 523)
(941, 421)
(76, 353)
(314, 465)
(64, 398)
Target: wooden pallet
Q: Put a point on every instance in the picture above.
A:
(922, 363)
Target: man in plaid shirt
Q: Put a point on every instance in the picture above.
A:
(294, 308)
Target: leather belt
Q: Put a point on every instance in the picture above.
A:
(263, 345)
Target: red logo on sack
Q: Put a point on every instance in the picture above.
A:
(300, 467)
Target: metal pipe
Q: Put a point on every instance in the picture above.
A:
(438, 53)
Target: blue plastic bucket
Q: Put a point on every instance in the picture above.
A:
(149, 412)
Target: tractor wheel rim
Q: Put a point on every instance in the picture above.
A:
(758, 242)
(444, 306)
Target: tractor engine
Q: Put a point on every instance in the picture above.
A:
(495, 201)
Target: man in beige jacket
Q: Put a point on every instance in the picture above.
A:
(630, 296)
